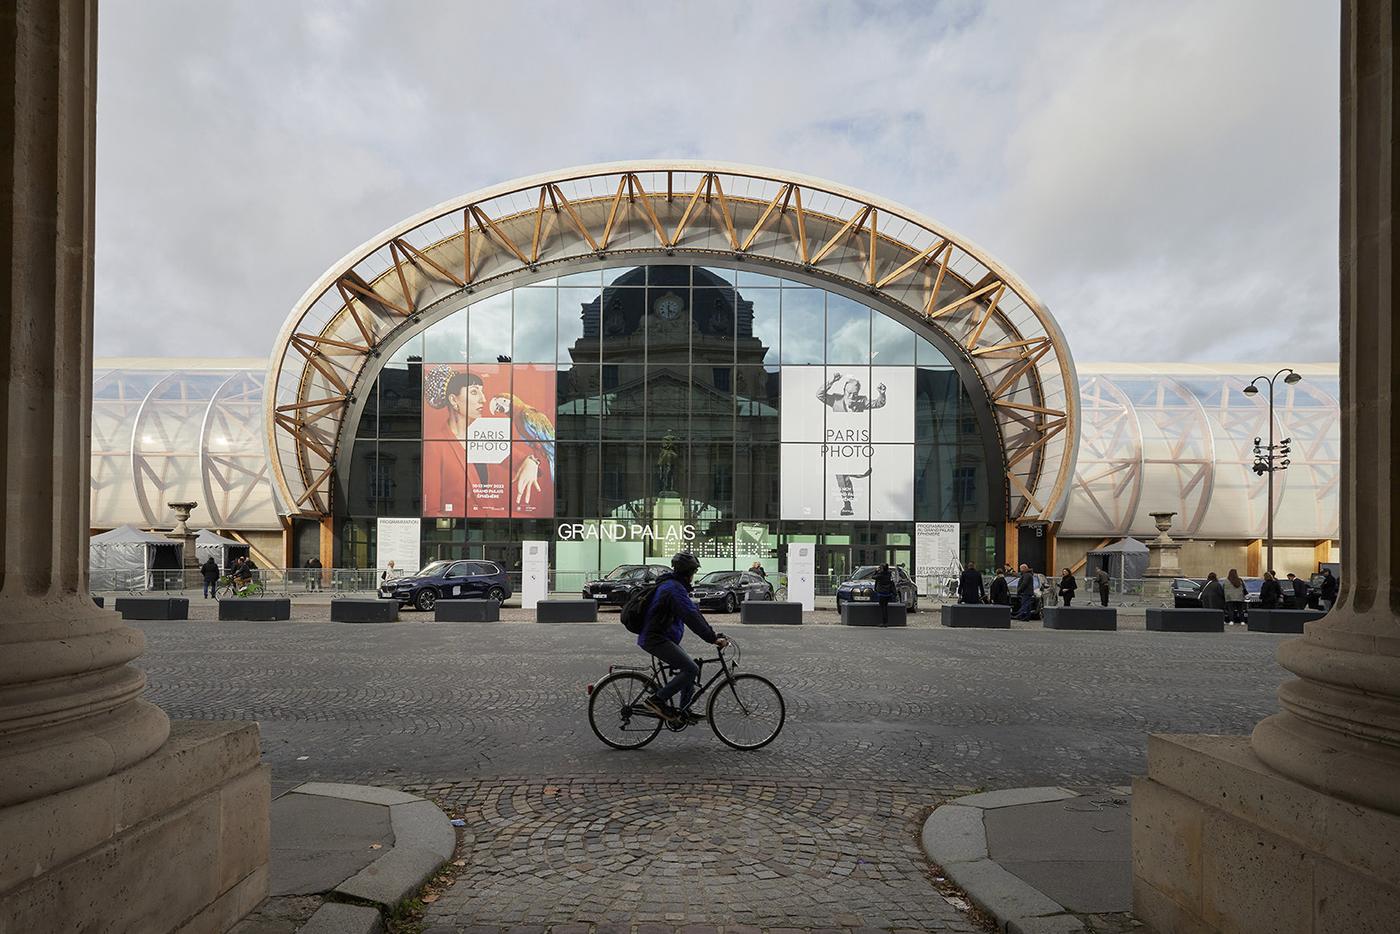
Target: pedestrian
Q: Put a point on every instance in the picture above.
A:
(209, 570)
(1270, 592)
(757, 570)
(313, 573)
(1327, 590)
(1067, 587)
(1101, 578)
(884, 591)
(1212, 594)
(1025, 593)
(1000, 593)
(1234, 597)
(970, 589)
(1300, 591)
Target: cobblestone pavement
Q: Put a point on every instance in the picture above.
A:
(820, 829)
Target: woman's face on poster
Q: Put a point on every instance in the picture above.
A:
(469, 400)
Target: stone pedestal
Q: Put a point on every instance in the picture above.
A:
(181, 533)
(108, 820)
(1163, 561)
(1298, 828)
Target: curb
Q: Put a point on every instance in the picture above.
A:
(424, 839)
(955, 837)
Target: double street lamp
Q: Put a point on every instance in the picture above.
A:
(1268, 456)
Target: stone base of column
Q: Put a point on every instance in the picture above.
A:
(1222, 842)
(178, 842)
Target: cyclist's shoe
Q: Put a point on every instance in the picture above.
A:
(658, 709)
(692, 718)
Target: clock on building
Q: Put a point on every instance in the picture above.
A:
(669, 306)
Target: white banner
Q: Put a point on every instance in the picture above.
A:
(802, 574)
(936, 553)
(399, 541)
(534, 567)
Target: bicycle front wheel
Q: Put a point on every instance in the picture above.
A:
(615, 710)
(747, 712)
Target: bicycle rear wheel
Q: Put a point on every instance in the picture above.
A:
(615, 710)
(747, 712)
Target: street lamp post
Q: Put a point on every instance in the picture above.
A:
(1271, 457)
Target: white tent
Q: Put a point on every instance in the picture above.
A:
(124, 558)
(209, 544)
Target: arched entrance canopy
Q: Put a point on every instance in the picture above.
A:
(410, 275)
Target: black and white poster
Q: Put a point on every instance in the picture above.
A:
(848, 435)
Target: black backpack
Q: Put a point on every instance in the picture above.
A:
(634, 611)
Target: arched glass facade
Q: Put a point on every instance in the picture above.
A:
(624, 413)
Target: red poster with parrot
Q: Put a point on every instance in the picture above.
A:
(530, 406)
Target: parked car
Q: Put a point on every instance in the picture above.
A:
(617, 585)
(449, 580)
(1186, 592)
(725, 590)
(860, 587)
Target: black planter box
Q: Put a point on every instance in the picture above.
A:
(566, 611)
(976, 615)
(868, 614)
(153, 607)
(1262, 620)
(347, 610)
(467, 611)
(770, 612)
(1093, 618)
(1184, 619)
(261, 609)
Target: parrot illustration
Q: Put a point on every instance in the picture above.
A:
(529, 423)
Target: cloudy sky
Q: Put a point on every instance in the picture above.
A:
(1163, 174)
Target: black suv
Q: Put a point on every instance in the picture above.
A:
(449, 580)
(619, 583)
(725, 590)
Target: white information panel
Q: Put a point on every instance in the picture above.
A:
(802, 574)
(399, 541)
(534, 567)
(936, 554)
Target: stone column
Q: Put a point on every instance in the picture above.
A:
(1298, 828)
(111, 818)
(1339, 727)
(70, 704)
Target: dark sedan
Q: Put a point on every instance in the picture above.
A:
(1186, 592)
(449, 580)
(860, 588)
(725, 590)
(617, 585)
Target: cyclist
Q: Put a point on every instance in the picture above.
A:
(670, 612)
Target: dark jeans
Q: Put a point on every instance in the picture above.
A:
(884, 599)
(1025, 605)
(1103, 595)
(687, 671)
(210, 586)
(1234, 611)
(1068, 596)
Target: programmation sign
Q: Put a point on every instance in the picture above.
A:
(936, 551)
(400, 541)
(847, 443)
(488, 440)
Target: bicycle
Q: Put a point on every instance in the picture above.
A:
(227, 588)
(746, 711)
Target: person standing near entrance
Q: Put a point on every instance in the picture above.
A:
(1212, 594)
(1067, 587)
(884, 590)
(1327, 590)
(1025, 593)
(1234, 597)
(313, 573)
(1270, 592)
(970, 589)
(1000, 592)
(1300, 591)
(1102, 580)
(209, 570)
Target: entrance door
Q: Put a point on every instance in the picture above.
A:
(834, 561)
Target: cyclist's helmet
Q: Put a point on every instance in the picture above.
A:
(685, 563)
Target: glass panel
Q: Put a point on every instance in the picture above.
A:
(891, 342)
(576, 479)
(411, 349)
(624, 401)
(925, 354)
(360, 499)
(668, 462)
(758, 320)
(536, 322)
(578, 404)
(712, 483)
(625, 483)
(668, 401)
(369, 419)
(399, 482)
(757, 403)
(676, 277)
(757, 477)
(446, 341)
(623, 326)
(667, 313)
(712, 327)
(712, 402)
(757, 279)
(490, 326)
(847, 331)
(703, 275)
(804, 324)
(401, 401)
(625, 275)
(593, 278)
(578, 325)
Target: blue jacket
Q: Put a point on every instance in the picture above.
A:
(670, 612)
